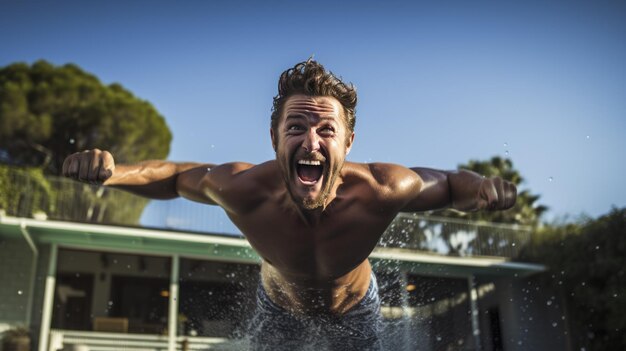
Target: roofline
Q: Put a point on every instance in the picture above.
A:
(207, 238)
(473, 261)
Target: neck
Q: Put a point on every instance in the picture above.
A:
(312, 217)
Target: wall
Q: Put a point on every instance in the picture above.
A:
(15, 270)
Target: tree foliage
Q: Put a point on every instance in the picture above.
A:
(590, 260)
(526, 210)
(17, 202)
(48, 112)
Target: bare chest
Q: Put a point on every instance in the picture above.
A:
(341, 240)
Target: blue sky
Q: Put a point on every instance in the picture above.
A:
(438, 84)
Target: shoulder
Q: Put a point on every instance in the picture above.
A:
(390, 182)
(387, 175)
(239, 186)
(238, 171)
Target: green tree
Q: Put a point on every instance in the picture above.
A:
(526, 210)
(589, 259)
(48, 112)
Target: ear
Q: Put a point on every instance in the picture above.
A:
(273, 139)
(349, 143)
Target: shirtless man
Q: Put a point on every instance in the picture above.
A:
(313, 217)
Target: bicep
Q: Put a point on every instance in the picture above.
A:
(433, 193)
(192, 183)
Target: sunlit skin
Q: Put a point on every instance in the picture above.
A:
(314, 226)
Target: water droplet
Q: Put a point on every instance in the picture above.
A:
(554, 324)
(212, 146)
(506, 144)
(506, 153)
(77, 275)
(597, 247)
(438, 338)
(550, 179)
(549, 303)
(72, 141)
(128, 266)
(588, 137)
(19, 292)
(110, 303)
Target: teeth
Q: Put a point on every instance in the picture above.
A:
(309, 163)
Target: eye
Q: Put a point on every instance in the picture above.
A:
(327, 131)
(294, 128)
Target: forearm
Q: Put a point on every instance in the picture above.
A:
(462, 190)
(444, 189)
(152, 179)
(434, 192)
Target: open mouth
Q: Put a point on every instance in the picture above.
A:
(309, 172)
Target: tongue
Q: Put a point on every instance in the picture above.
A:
(309, 173)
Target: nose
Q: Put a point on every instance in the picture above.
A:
(311, 141)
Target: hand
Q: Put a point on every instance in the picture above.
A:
(471, 191)
(496, 194)
(90, 166)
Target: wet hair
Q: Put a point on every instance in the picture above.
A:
(311, 78)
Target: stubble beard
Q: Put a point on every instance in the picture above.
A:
(309, 204)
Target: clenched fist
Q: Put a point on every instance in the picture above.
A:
(471, 192)
(496, 194)
(90, 166)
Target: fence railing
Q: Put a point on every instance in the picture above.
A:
(455, 237)
(63, 199)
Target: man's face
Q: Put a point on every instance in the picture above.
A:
(311, 143)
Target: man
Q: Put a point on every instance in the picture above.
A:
(312, 217)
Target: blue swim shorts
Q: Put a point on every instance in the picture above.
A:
(274, 328)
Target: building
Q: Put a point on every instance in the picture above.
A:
(445, 284)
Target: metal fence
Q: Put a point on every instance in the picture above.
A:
(63, 199)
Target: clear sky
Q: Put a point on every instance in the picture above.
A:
(543, 81)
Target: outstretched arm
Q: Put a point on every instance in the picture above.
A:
(153, 179)
(462, 190)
